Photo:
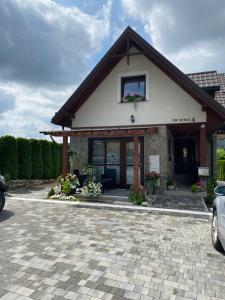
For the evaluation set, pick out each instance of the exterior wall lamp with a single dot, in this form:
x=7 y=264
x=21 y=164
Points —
x=132 y=118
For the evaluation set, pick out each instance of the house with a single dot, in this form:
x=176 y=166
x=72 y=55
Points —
x=136 y=112
x=214 y=84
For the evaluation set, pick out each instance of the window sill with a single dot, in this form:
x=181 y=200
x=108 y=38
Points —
x=133 y=100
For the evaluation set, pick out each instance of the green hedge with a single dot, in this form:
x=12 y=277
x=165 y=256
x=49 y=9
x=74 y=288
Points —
x=29 y=158
x=36 y=157
x=24 y=158
x=221 y=169
x=9 y=157
x=56 y=160
x=46 y=159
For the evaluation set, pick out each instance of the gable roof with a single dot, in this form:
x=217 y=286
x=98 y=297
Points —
x=128 y=39
x=211 y=80
x=220 y=95
x=207 y=79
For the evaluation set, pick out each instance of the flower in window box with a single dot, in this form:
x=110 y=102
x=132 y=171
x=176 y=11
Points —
x=134 y=98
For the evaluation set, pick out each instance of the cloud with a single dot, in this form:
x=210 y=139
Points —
x=32 y=109
x=44 y=43
x=7 y=102
x=190 y=33
x=45 y=51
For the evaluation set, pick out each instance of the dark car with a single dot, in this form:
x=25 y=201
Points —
x=3 y=189
x=218 y=222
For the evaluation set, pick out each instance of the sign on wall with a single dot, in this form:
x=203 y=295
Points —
x=184 y=120
x=154 y=163
x=203 y=171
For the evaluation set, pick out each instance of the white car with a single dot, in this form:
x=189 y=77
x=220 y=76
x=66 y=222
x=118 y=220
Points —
x=218 y=221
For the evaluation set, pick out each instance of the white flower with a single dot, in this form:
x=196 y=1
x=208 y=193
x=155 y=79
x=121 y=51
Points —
x=91 y=189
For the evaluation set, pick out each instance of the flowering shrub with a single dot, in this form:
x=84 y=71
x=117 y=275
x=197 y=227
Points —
x=199 y=184
x=91 y=189
x=69 y=184
x=62 y=197
x=197 y=187
x=138 y=197
x=88 y=170
x=66 y=186
x=153 y=176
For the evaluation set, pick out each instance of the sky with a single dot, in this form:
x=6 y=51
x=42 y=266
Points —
x=48 y=47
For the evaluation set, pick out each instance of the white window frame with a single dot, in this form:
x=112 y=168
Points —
x=130 y=74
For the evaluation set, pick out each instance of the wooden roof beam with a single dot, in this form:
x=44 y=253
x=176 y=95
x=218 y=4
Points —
x=102 y=133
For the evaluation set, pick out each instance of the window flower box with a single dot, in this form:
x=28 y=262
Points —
x=133 y=98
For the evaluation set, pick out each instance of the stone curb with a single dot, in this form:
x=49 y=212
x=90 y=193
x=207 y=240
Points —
x=203 y=202
x=141 y=209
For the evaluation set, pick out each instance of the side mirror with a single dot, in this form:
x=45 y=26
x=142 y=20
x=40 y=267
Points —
x=220 y=190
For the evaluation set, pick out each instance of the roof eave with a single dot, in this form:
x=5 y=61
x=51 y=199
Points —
x=158 y=59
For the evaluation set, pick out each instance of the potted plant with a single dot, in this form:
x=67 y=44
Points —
x=152 y=181
x=170 y=184
x=197 y=187
x=89 y=171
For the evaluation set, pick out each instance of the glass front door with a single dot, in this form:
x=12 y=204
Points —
x=117 y=154
x=113 y=157
x=129 y=162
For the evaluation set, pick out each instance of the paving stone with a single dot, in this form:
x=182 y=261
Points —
x=10 y=296
x=51 y=251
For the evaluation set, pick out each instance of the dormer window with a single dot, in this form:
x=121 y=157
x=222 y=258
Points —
x=133 y=87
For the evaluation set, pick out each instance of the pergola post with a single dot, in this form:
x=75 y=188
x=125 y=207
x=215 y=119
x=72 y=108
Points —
x=65 y=156
x=202 y=146
x=136 y=164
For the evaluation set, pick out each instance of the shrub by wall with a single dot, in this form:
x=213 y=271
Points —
x=24 y=158
x=220 y=154
x=46 y=159
x=56 y=160
x=221 y=169
x=36 y=158
x=8 y=157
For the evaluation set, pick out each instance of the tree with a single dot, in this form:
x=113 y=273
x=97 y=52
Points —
x=8 y=157
x=24 y=158
x=36 y=158
x=56 y=160
x=46 y=159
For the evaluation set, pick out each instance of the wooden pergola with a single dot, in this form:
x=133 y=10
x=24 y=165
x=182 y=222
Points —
x=99 y=133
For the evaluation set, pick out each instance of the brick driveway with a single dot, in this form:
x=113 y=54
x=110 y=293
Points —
x=57 y=251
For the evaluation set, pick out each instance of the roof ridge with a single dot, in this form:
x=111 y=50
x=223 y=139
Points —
x=203 y=72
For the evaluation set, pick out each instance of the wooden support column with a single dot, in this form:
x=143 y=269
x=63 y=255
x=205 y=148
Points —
x=65 y=156
x=136 y=164
x=202 y=146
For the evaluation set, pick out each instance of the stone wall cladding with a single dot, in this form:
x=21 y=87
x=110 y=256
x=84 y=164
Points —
x=80 y=147
x=156 y=144
x=26 y=183
x=211 y=154
x=170 y=163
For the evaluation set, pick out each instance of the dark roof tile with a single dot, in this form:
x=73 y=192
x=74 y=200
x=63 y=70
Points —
x=205 y=79
x=220 y=95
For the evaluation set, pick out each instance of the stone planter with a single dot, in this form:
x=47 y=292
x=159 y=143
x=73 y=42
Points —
x=171 y=187
x=149 y=187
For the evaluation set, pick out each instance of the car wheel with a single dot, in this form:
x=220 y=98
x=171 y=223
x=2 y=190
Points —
x=2 y=200
x=215 y=238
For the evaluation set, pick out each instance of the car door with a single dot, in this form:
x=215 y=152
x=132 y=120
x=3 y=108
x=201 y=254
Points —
x=221 y=218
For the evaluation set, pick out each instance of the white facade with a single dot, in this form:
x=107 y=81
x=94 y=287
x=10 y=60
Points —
x=166 y=102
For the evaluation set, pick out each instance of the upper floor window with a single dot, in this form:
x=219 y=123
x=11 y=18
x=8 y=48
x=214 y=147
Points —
x=133 y=87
